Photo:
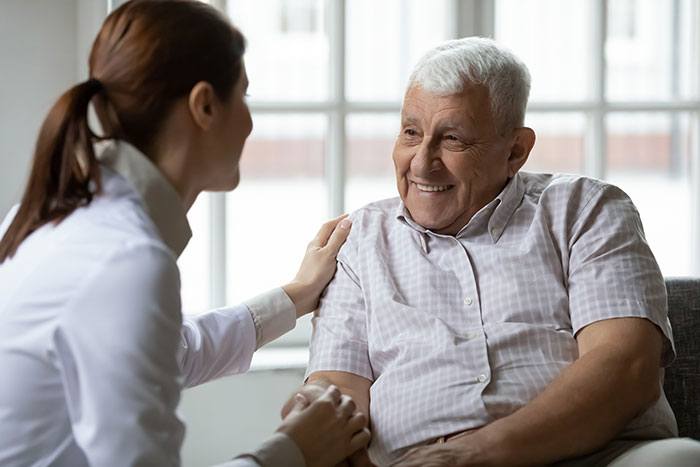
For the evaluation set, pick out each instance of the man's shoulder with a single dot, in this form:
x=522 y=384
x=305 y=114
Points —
x=572 y=188
x=370 y=224
x=538 y=183
x=377 y=215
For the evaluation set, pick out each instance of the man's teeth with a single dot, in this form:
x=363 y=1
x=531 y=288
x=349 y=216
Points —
x=433 y=187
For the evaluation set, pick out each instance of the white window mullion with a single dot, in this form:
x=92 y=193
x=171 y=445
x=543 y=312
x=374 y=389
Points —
x=474 y=18
x=217 y=250
x=336 y=147
x=596 y=137
x=695 y=154
x=695 y=196
x=217 y=229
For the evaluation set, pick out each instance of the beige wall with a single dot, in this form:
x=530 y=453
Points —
x=234 y=414
x=43 y=51
x=37 y=61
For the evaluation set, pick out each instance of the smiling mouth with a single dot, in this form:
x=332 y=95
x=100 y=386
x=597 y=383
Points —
x=432 y=188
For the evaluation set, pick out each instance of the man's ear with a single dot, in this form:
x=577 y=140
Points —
x=523 y=141
x=202 y=105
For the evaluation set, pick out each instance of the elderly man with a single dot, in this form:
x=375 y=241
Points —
x=492 y=317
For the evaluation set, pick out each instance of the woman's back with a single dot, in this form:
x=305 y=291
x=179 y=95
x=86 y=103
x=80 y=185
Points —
x=63 y=316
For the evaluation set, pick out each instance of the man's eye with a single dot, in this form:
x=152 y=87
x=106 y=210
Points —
x=410 y=132
x=451 y=138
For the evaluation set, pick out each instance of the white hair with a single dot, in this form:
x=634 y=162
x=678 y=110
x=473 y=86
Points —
x=447 y=68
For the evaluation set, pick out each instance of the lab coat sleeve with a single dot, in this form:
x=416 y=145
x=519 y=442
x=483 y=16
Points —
x=115 y=348
x=221 y=342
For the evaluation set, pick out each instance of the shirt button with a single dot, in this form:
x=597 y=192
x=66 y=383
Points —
x=468 y=301
x=481 y=378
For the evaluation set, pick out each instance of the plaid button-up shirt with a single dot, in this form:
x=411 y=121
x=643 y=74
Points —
x=458 y=331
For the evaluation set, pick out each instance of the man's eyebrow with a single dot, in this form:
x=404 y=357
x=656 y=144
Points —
x=448 y=125
x=408 y=120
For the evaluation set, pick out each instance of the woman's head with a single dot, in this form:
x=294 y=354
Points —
x=150 y=53
x=149 y=57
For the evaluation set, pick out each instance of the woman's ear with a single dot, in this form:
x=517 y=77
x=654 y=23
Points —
x=202 y=105
x=523 y=141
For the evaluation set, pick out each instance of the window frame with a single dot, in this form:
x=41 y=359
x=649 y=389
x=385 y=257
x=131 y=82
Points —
x=471 y=17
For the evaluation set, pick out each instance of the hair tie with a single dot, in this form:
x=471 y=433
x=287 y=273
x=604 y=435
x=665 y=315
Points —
x=94 y=84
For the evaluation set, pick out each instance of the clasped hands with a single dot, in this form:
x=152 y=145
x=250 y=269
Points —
x=327 y=427
x=330 y=431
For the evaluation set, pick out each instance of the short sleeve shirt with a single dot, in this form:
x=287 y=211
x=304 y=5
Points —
x=457 y=331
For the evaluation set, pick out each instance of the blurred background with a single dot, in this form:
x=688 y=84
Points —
x=615 y=95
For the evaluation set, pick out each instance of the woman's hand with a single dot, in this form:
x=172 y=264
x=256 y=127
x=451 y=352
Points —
x=327 y=430
x=318 y=266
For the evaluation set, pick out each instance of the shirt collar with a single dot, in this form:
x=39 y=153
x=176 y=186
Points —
x=510 y=198
x=162 y=203
x=500 y=209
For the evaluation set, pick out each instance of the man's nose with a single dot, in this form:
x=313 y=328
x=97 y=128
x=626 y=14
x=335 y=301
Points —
x=426 y=160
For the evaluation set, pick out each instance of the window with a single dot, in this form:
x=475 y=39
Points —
x=327 y=76
x=619 y=104
x=325 y=96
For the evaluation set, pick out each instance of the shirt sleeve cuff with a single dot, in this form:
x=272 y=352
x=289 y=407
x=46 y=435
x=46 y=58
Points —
x=278 y=450
x=273 y=314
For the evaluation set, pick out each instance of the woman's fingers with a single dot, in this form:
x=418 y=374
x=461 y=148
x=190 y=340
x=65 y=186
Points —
x=347 y=407
x=332 y=394
x=339 y=235
x=357 y=422
x=325 y=231
x=328 y=429
x=299 y=404
x=360 y=440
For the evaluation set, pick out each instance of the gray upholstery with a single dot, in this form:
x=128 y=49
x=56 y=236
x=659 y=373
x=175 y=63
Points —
x=682 y=385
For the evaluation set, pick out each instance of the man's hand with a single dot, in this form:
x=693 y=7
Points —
x=615 y=378
x=463 y=451
x=360 y=459
x=436 y=455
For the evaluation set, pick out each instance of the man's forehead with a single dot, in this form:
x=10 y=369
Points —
x=417 y=107
x=419 y=103
x=469 y=91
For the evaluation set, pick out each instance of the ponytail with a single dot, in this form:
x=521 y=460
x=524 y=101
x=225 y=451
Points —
x=65 y=174
x=147 y=55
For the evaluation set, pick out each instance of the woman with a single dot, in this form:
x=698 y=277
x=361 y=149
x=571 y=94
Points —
x=92 y=345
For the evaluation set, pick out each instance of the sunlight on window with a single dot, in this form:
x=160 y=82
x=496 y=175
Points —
x=558 y=50
x=560 y=143
x=385 y=39
x=288 y=53
x=278 y=208
x=649 y=158
x=652 y=59
x=194 y=261
x=370 y=169
x=652 y=55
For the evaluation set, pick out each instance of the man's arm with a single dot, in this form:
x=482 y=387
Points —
x=354 y=386
x=615 y=378
x=349 y=384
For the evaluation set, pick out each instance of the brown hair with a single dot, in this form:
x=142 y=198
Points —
x=147 y=54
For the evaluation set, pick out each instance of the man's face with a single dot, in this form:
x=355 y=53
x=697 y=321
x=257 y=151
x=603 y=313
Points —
x=450 y=160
